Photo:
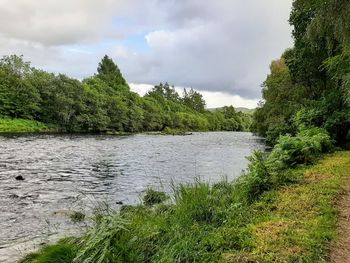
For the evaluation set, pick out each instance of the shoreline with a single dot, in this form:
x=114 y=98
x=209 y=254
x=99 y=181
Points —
x=17 y=127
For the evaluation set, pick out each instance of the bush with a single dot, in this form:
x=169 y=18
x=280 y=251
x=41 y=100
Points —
x=267 y=173
x=257 y=180
x=301 y=149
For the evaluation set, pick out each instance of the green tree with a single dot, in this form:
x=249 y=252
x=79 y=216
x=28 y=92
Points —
x=313 y=90
x=153 y=115
x=164 y=92
x=194 y=100
x=19 y=98
x=109 y=72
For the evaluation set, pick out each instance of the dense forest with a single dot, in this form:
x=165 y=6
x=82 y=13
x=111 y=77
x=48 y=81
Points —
x=104 y=102
x=309 y=86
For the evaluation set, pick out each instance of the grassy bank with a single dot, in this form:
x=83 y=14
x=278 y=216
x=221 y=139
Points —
x=292 y=222
x=23 y=126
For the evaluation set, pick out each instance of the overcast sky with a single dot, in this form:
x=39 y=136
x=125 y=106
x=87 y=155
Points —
x=222 y=48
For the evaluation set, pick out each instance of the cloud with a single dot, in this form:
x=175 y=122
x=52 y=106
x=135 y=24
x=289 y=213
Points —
x=218 y=46
x=224 y=46
x=52 y=22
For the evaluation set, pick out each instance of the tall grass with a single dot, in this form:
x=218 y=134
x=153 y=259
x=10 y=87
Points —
x=101 y=243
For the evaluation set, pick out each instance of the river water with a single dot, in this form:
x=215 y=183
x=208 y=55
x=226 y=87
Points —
x=74 y=173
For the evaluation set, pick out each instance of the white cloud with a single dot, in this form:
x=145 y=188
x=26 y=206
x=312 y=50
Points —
x=220 y=99
x=139 y=88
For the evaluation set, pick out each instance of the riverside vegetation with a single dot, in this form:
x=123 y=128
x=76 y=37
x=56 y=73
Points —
x=33 y=100
x=282 y=209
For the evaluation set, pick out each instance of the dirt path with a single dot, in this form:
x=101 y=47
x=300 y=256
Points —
x=340 y=250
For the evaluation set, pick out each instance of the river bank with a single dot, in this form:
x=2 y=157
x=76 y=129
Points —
x=8 y=125
x=23 y=126
x=291 y=223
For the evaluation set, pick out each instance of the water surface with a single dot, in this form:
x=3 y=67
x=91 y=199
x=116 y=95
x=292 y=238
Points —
x=64 y=173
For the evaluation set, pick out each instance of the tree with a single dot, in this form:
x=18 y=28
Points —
x=194 y=100
x=109 y=72
x=19 y=98
x=310 y=86
x=163 y=92
x=153 y=119
x=102 y=102
x=63 y=103
x=282 y=99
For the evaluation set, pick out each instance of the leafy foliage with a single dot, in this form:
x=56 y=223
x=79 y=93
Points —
x=310 y=84
x=304 y=148
x=104 y=102
x=268 y=172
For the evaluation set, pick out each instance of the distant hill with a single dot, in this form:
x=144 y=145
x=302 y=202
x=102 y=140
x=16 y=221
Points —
x=245 y=110
x=238 y=109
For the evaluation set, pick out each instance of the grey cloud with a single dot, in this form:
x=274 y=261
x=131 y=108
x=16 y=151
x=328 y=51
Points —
x=220 y=46
x=224 y=45
x=51 y=22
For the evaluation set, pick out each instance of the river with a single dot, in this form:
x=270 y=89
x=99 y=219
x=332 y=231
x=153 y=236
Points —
x=65 y=173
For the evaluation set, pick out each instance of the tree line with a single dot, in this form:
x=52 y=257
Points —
x=309 y=86
x=104 y=102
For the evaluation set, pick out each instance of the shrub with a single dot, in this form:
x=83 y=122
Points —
x=301 y=149
x=257 y=180
x=267 y=173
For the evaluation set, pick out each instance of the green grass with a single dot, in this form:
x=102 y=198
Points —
x=292 y=222
x=23 y=126
x=62 y=252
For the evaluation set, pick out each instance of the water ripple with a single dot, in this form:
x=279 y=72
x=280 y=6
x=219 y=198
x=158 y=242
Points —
x=76 y=172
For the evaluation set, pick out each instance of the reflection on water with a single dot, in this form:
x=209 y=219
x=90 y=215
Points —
x=65 y=173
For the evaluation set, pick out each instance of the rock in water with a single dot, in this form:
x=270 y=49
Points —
x=19 y=178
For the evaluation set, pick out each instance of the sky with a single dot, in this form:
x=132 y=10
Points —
x=222 y=48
